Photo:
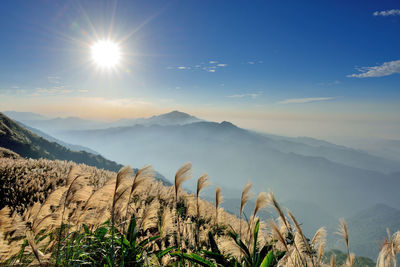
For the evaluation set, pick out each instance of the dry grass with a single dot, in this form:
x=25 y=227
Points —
x=44 y=194
x=26 y=181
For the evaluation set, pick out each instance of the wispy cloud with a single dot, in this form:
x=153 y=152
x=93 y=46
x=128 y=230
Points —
x=304 y=100
x=385 y=13
x=386 y=69
x=210 y=66
x=252 y=95
x=253 y=62
x=54 y=79
x=56 y=90
x=329 y=83
x=115 y=102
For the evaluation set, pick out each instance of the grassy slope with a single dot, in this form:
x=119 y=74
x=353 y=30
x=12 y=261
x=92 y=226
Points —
x=29 y=145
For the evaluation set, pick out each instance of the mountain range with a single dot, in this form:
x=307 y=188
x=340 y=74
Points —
x=232 y=156
x=57 y=125
x=318 y=180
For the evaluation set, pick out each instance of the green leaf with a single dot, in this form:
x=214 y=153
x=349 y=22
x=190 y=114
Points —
x=219 y=258
x=162 y=253
x=268 y=260
x=86 y=228
x=255 y=234
x=193 y=258
x=131 y=235
x=125 y=242
x=214 y=247
x=101 y=232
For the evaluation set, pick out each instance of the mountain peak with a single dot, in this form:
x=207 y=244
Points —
x=176 y=114
x=173 y=118
x=228 y=124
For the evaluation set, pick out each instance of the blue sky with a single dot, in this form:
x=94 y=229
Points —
x=315 y=68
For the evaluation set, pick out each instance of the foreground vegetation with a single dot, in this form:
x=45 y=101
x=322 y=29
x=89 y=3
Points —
x=83 y=216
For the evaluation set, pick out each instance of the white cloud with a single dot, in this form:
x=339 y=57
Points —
x=213 y=62
x=385 y=13
x=182 y=68
x=211 y=70
x=250 y=62
x=387 y=68
x=252 y=95
x=83 y=91
x=222 y=65
x=304 y=100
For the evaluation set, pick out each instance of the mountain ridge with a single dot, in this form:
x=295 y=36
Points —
x=28 y=144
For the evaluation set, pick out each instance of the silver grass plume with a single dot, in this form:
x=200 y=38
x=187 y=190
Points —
x=246 y=195
x=202 y=183
x=390 y=248
x=344 y=233
x=183 y=174
x=275 y=204
x=303 y=239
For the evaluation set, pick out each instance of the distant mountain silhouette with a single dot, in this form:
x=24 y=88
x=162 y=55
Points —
x=232 y=156
x=23 y=116
x=56 y=125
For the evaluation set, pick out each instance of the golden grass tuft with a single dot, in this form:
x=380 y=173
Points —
x=344 y=233
x=246 y=195
x=183 y=174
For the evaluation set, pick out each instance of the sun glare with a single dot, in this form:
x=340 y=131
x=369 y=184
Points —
x=106 y=54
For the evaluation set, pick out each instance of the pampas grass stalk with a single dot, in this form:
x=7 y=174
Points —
x=35 y=250
x=261 y=202
x=344 y=233
x=72 y=177
x=246 y=195
x=277 y=232
x=277 y=207
x=138 y=179
x=202 y=183
x=333 y=260
x=123 y=173
x=303 y=239
x=389 y=249
x=218 y=201
x=183 y=174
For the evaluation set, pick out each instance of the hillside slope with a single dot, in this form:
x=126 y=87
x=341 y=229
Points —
x=30 y=145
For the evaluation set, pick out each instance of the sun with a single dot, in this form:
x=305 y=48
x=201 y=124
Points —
x=106 y=54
